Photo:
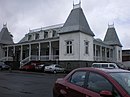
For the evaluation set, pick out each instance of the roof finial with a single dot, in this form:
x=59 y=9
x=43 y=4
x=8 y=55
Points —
x=77 y=5
x=29 y=30
x=73 y=3
x=111 y=25
x=80 y=2
x=5 y=25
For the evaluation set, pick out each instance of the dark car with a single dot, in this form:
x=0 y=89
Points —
x=40 y=67
x=3 y=66
x=94 y=82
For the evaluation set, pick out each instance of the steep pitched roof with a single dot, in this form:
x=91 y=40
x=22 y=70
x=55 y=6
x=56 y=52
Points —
x=5 y=36
x=76 y=21
x=111 y=37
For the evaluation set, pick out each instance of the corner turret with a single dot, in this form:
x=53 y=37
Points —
x=5 y=36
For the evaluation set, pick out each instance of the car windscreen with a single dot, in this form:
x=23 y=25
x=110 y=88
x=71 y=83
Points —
x=123 y=78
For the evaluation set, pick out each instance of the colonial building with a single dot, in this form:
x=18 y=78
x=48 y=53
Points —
x=71 y=44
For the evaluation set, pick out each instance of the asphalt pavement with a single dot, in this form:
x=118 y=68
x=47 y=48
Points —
x=27 y=84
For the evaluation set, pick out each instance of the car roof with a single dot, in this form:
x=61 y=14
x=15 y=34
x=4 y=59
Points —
x=103 y=63
x=98 y=70
x=107 y=70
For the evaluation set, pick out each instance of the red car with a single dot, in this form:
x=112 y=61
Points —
x=28 y=67
x=94 y=82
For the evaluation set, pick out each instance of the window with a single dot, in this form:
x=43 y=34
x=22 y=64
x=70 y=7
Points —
x=111 y=53
x=98 y=83
x=123 y=78
x=5 y=52
x=69 y=47
x=78 y=78
x=108 y=53
x=97 y=50
x=104 y=65
x=45 y=34
x=29 y=37
x=103 y=51
x=86 y=44
x=96 y=65
x=94 y=49
x=58 y=66
x=37 y=36
x=119 y=53
x=112 y=66
x=54 y=34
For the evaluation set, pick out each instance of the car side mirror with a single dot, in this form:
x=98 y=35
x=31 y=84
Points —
x=106 y=93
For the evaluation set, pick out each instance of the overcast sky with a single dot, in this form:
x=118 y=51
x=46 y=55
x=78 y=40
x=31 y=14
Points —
x=22 y=15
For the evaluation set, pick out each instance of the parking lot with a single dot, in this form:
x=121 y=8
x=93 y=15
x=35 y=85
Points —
x=27 y=84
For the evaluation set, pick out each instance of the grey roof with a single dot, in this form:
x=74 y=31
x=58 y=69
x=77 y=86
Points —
x=22 y=40
x=111 y=37
x=5 y=36
x=101 y=43
x=76 y=21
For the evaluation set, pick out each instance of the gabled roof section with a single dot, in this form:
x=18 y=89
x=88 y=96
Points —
x=111 y=37
x=76 y=21
x=5 y=36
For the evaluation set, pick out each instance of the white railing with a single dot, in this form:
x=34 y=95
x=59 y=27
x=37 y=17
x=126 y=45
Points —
x=36 y=58
x=6 y=59
x=55 y=57
x=44 y=58
x=98 y=58
x=25 y=61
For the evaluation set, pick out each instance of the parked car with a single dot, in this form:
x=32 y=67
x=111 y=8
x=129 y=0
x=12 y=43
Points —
x=29 y=67
x=40 y=67
x=105 y=65
x=54 y=68
x=3 y=66
x=93 y=82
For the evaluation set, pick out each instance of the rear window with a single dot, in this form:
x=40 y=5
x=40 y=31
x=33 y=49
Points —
x=58 y=66
x=104 y=65
x=96 y=65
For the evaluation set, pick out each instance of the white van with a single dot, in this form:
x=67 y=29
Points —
x=105 y=65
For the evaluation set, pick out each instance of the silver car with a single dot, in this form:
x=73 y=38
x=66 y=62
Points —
x=54 y=68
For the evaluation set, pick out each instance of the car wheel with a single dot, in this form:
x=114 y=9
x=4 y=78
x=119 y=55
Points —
x=54 y=71
x=64 y=71
x=61 y=96
x=0 y=67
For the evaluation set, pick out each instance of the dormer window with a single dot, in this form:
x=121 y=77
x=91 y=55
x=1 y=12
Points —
x=29 y=37
x=54 y=34
x=45 y=34
x=37 y=36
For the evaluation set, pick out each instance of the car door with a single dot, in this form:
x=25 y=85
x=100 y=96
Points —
x=97 y=83
x=58 y=68
x=75 y=84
